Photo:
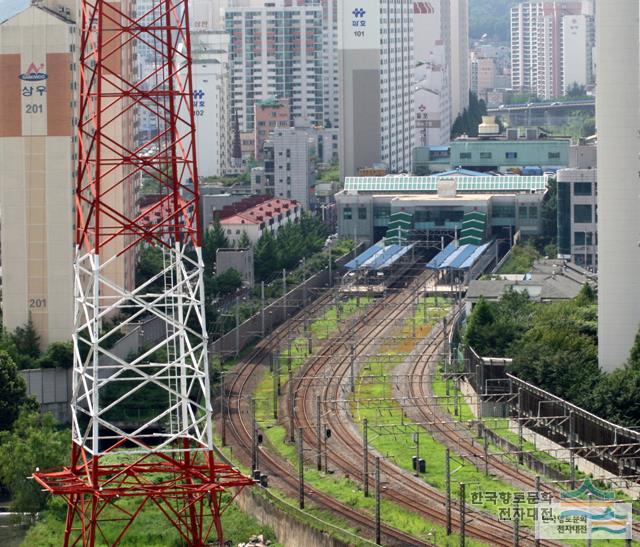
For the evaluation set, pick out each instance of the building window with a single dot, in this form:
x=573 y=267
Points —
x=362 y=213
x=582 y=189
x=582 y=213
x=554 y=155
x=522 y=211
x=579 y=238
x=503 y=211
x=511 y=155
x=465 y=155
x=533 y=211
x=346 y=213
x=485 y=155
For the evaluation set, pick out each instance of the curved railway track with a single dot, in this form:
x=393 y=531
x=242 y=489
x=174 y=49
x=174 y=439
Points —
x=239 y=423
x=419 y=388
x=347 y=444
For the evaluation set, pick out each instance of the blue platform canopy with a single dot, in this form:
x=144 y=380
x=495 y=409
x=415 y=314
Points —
x=378 y=257
x=457 y=257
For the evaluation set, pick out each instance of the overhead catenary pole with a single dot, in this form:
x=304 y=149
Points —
x=378 y=527
x=290 y=405
x=365 y=457
x=538 y=492
x=262 y=327
x=462 y=515
x=237 y=330
x=447 y=478
x=318 y=433
x=300 y=469
x=254 y=437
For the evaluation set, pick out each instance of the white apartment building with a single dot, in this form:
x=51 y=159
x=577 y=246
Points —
x=276 y=51
x=268 y=216
x=376 y=60
x=457 y=42
x=551 y=45
x=293 y=168
x=210 y=73
x=618 y=121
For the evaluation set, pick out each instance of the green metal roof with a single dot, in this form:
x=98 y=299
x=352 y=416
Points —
x=485 y=184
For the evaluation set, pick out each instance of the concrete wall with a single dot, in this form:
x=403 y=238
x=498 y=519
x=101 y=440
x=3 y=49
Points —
x=52 y=389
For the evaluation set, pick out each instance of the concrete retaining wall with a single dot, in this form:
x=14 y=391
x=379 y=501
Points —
x=52 y=389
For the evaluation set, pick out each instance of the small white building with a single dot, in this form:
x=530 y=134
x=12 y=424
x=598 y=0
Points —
x=268 y=216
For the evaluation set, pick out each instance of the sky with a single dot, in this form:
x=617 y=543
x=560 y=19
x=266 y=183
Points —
x=11 y=7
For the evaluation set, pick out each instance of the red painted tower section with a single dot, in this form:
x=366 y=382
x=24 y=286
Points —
x=142 y=424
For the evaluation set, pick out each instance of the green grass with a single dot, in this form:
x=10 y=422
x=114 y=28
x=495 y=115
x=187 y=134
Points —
x=521 y=260
x=150 y=529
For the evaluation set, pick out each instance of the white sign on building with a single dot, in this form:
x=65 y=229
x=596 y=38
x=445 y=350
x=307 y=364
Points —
x=359 y=24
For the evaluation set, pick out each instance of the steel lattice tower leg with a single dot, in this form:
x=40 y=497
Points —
x=142 y=428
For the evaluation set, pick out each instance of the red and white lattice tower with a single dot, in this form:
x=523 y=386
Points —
x=124 y=456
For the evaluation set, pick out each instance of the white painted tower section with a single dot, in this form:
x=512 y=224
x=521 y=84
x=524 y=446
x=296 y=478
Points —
x=618 y=114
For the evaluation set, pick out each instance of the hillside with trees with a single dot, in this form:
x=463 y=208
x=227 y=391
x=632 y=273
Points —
x=490 y=17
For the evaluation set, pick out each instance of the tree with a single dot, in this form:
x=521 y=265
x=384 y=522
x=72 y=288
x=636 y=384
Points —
x=13 y=392
x=27 y=340
x=468 y=121
x=150 y=264
x=228 y=282
x=57 y=355
x=576 y=91
x=266 y=260
x=244 y=242
x=214 y=239
x=40 y=444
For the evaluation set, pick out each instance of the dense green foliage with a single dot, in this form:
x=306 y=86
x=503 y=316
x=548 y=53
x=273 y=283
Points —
x=555 y=346
x=490 y=17
x=22 y=345
x=468 y=121
x=285 y=249
x=38 y=442
x=13 y=392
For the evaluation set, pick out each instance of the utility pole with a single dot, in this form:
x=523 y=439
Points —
x=318 y=433
x=223 y=407
x=572 y=456
x=485 y=443
x=291 y=403
x=538 y=490
x=300 y=469
x=304 y=281
x=447 y=478
x=284 y=293
x=254 y=437
x=237 y=326
x=365 y=471
x=462 y=515
x=352 y=357
x=262 y=330
x=378 y=534
x=417 y=439
x=520 y=433
x=330 y=267
x=276 y=384
x=516 y=529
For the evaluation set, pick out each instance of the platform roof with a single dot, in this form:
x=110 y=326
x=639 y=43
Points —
x=486 y=184
x=378 y=257
x=457 y=257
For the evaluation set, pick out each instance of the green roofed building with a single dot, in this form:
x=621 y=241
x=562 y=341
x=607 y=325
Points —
x=474 y=207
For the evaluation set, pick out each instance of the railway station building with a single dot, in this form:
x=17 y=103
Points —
x=439 y=205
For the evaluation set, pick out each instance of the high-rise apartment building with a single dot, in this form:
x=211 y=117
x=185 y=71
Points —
x=37 y=79
x=441 y=49
x=376 y=60
x=457 y=43
x=211 y=100
x=618 y=121
x=551 y=46
x=276 y=51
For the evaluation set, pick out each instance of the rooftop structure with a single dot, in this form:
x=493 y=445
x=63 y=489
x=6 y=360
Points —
x=267 y=215
x=475 y=184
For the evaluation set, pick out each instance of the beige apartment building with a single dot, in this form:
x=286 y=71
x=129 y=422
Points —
x=38 y=96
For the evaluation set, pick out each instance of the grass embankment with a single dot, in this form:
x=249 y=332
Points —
x=521 y=260
x=150 y=529
x=342 y=489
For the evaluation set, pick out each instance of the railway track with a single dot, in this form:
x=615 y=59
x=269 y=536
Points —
x=453 y=434
x=240 y=429
x=347 y=445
